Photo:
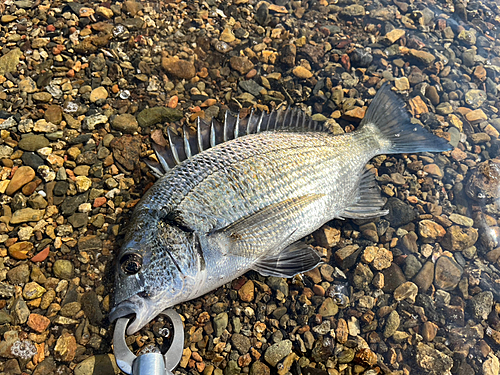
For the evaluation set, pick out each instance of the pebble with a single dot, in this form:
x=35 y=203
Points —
x=302 y=72
x=178 y=68
x=38 y=323
x=241 y=343
x=432 y=360
x=33 y=290
x=429 y=331
x=65 y=349
x=447 y=273
x=277 y=352
x=407 y=290
x=392 y=324
x=33 y=142
x=380 y=258
x=247 y=291
x=241 y=64
x=425 y=276
x=98 y=94
x=430 y=231
x=125 y=123
x=63 y=269
x=458 y=239
x=328 y=308
x=104 y=364
x=482 y=304
x=220 y=323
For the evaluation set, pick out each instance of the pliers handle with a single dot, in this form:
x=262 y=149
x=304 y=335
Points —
x=149 y=363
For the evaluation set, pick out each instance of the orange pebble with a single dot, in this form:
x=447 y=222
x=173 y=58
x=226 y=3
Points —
x=174 y=100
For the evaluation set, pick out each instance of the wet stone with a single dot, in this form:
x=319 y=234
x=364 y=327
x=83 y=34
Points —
x=328 y=308
x=400 y=213
x=241 y=64
x=259 y=368
x=19 y=275
x=125 y=123
x=407 y=290
x=220 y=323
x=425 y=276
x=393 y=277
x=458 y=239
x=26 y=214
x=78 y=220
x=38 y=323
x=433 y=360
x=447 y=273
x=430 y=231
x=411 y=266
x=391 y=324
x=33 y=142
x=92 y=308
x=277 y=352
x=65 y=349
x=63 y=269
x=104 y=364
x=481 y=305
x=241 y=343
x=178 y=68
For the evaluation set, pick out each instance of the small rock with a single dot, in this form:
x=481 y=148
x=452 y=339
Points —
x=430 y=231
x=38 y=323
x=424 y=57
x=104 y=364
x=402 y=84
x=391 y=324
x=407 y=290
x=63 y=269
x=33 y=290
x=476 y=116
x=241 y=64
x=458 y=239
x=425 y=276
x=432 y=360
x=33 y=142
x=20 y=250
x=328 y=308
x=246 y=292
x=178 y=68
x=65 y=349
x=482 y=304
x=429 y=331
x=125 y=123
x=220 y=323
x=277 y=352
x=447 y=273
x=99 y=93
x=241 y=343
x=302 y=72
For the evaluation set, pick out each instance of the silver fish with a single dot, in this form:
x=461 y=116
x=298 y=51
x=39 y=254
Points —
x=240 y=196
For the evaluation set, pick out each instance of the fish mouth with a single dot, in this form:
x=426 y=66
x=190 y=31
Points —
x=136 y=307
x=122 y=310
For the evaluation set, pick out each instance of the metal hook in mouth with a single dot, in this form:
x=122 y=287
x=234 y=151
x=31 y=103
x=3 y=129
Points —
x=150 y=363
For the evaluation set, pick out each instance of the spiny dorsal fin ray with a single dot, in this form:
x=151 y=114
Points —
x=207 y=135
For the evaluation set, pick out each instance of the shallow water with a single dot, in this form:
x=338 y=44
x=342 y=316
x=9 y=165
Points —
x=415 y=292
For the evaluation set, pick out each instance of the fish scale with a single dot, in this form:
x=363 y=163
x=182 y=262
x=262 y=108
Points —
x=221 y=209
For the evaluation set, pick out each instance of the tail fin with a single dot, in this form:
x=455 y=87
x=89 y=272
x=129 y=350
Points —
x=387 y=116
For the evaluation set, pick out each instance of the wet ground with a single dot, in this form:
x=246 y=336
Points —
x=85 y=85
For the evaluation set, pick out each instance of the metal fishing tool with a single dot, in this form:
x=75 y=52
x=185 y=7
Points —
x=149 y=363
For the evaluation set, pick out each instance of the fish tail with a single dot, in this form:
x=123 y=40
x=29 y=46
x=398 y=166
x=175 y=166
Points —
x=387 y=120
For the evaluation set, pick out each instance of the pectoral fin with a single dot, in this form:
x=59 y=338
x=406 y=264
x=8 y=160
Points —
x=265 y=229
x=294 y=259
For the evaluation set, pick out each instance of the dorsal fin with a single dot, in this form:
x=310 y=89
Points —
x=207 y=135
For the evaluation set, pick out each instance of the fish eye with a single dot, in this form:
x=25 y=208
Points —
x=131 y=263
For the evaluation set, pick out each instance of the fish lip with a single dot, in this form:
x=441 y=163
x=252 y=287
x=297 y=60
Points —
x=122 y=310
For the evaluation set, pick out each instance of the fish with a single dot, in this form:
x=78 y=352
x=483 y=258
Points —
x=241 y=195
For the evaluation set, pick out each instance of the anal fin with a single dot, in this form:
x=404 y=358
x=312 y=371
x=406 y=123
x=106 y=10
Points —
x=294 y=259
x=368 y=202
